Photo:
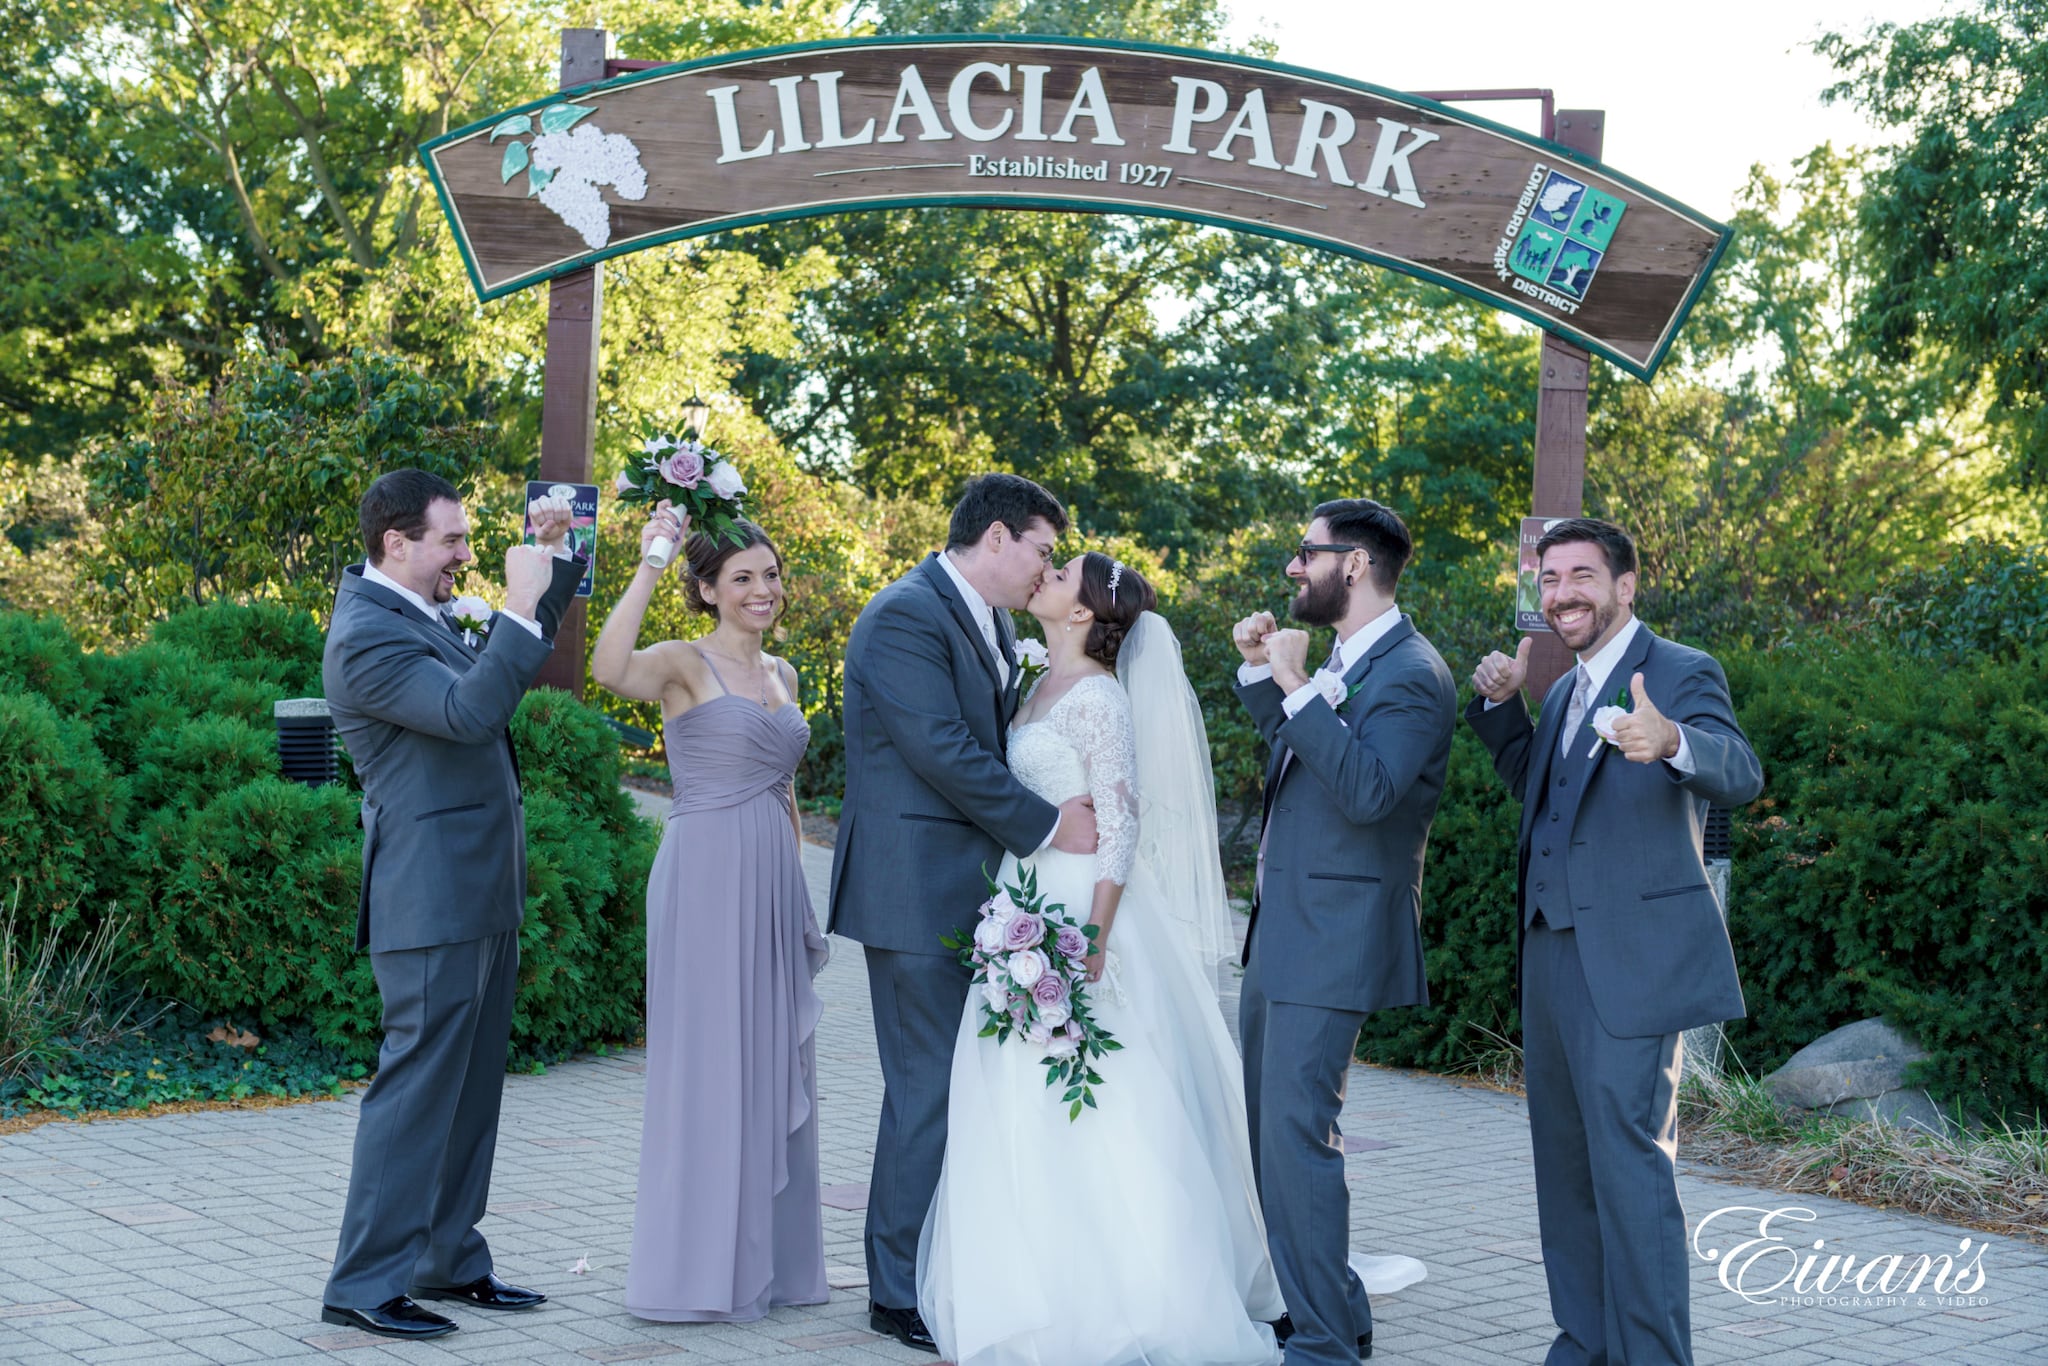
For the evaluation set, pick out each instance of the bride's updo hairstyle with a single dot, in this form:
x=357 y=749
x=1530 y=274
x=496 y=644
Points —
x=1116 y=608
x=704 y=557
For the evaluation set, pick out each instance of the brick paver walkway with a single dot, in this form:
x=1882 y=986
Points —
x=206 y=1238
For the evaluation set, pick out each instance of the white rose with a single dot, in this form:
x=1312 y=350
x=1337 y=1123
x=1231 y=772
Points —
x=1056 y=1015
x=624 y=483
x=1032 y=653
x=1026 y=966
x=1039 y=1034
x=656 y=445
x=1331 y=688
x=1063 y=1046
x=1604 y=719
x=474 y=608
x=988 y=935
x=996 y=995
x=725 y=481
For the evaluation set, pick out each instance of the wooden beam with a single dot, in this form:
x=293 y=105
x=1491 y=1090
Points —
x=1560 y=480
x=568 y=405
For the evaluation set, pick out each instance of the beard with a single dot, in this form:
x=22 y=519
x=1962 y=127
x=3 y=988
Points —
x=1594 y=627
x=1321 y=602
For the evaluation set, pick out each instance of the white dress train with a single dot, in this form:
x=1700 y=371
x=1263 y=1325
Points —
x=1132 y=1234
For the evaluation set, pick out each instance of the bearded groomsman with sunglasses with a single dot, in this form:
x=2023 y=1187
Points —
x=1359 y=751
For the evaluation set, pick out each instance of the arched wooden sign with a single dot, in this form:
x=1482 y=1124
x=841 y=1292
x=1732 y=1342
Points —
x=1078 y=125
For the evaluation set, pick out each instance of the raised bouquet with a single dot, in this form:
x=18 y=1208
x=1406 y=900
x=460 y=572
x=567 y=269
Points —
x=1030 y=964
x=694 y=478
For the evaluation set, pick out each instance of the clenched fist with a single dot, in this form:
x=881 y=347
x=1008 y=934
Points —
x=549 y=518
x=1249 y=636
x=1499 y=677
x=528 y=571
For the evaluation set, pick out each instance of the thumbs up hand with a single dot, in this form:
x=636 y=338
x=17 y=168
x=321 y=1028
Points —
x=1645 y=735
x=1498 y=677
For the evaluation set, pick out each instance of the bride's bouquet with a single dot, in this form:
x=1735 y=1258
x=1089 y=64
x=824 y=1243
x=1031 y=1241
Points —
x=1030 y=964
x=691 y=476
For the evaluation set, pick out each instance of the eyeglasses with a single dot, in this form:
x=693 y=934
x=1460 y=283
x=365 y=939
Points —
x=1306 y=552
x=1044 y=551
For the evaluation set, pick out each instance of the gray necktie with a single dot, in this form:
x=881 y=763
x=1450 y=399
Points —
x=1582 y=692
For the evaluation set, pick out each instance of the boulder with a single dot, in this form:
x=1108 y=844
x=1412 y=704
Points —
x=1858 y=1072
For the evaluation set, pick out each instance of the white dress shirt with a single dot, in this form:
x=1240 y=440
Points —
x=372 y=574
x=1349 y=651
x=977 y=607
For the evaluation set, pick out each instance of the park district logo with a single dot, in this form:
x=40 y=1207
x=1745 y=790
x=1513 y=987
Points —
x=1557 y=238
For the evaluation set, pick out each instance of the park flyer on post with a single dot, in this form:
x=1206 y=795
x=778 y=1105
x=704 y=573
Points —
x=582 y=499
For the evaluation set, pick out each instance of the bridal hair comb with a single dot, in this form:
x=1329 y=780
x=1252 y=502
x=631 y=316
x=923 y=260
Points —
x=1116 y=576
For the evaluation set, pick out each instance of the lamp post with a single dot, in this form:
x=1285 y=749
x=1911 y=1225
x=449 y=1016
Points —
x=696 y=417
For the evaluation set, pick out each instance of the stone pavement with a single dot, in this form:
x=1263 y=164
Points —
x=207 y=1237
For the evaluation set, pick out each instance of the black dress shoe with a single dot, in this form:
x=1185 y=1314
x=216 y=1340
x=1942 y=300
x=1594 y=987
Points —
x=486 y=1292
x=395 y=1318
x=904 y=1325
x=1283 y=1329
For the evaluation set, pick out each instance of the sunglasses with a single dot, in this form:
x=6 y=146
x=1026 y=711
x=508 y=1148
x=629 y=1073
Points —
x=1306 y=552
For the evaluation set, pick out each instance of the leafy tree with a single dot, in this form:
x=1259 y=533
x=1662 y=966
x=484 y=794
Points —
x=1956 y=216
x=248 y=488
x=1780 y=467
x=1147 y=371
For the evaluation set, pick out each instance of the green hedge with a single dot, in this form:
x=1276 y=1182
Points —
x=148 y=779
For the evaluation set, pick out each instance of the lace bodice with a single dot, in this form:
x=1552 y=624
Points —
x=1084 y=744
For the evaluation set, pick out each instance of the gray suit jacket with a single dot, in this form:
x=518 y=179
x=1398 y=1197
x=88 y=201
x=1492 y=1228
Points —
x=929 y=800
x=424 y=718
x=1338 y=922
x=1650 y=934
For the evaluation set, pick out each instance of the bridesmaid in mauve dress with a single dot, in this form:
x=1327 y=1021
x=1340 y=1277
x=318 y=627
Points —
x=727 y=1224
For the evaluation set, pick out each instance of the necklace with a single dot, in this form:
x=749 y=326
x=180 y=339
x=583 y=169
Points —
x=755 y=666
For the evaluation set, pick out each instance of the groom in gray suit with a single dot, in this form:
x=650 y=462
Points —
x=1622 y=941
x=931 y=684
x=1358 y=758
x=424 y=713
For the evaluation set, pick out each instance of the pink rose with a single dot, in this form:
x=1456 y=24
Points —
x=683 y=467
x=1071 y=942
x=1023 y=932
x=1050 y=990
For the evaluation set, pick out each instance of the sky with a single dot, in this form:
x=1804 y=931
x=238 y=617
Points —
x=1694 y=94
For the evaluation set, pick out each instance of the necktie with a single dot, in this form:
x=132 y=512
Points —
x=1575 y=714
x=994 y=632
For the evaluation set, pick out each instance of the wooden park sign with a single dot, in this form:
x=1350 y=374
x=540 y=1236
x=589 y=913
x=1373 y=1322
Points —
x=1525 y=225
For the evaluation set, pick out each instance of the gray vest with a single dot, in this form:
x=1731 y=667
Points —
x=1548 y=888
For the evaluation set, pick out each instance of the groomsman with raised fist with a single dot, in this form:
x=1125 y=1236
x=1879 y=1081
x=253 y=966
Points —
x=1623 y=945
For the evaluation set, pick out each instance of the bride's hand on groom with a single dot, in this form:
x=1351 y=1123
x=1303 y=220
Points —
x=1076 y=831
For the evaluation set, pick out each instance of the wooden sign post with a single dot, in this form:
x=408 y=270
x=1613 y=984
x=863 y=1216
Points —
x=1539 y=228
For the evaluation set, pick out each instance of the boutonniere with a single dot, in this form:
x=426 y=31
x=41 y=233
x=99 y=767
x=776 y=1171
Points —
x=1605 y=717
x=1031 y=659
x=473 y=616
x=1332 y=690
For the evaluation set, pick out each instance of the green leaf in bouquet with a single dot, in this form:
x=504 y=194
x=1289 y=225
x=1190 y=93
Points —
x=1074 y=1112
x=988 y=1030
x=516 y=159
x=1073 y=1093
x=1088 y=1099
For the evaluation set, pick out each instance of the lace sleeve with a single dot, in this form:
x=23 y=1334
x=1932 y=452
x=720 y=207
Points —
x=1097 y=722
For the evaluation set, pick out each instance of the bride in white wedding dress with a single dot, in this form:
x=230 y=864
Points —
x=1131 y=1234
